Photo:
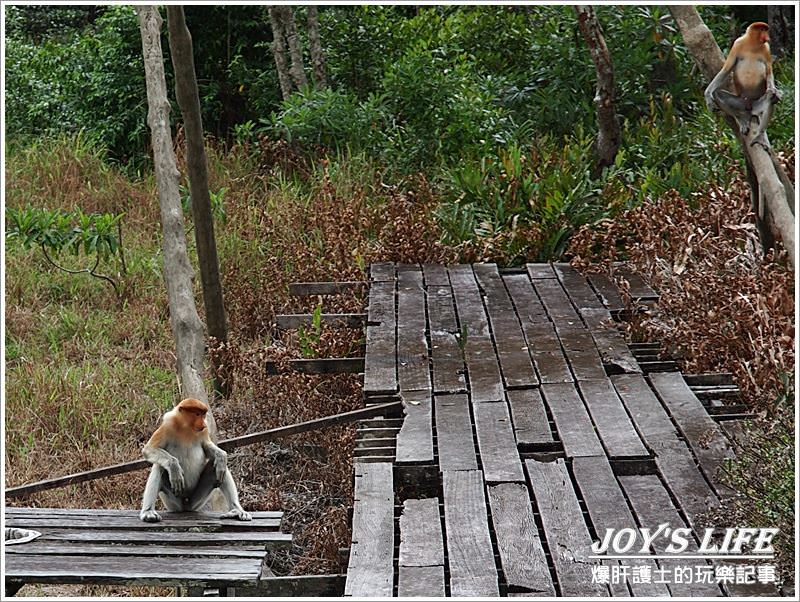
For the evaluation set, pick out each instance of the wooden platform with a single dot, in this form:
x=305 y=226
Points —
x=530 y=429
x=115 y=547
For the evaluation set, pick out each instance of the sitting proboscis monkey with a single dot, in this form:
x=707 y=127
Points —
x=187 y=465
x=753 y=83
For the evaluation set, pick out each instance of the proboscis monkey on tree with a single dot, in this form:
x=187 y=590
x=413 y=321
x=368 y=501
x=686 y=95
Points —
x=753 y=83
x=187 y=466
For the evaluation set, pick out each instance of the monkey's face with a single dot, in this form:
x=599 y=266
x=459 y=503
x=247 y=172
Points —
x=194 y=419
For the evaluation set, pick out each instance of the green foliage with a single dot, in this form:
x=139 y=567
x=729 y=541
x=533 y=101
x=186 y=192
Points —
x=310 y=337
x=54 y=232
x=547 y=186
x=92 y=80
x=74 y=231
x=217 y=202
x=332 y=118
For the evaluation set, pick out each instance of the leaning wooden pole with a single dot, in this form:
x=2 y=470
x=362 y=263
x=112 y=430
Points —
x=186 y=92
x=228 y=444
x=187 y=329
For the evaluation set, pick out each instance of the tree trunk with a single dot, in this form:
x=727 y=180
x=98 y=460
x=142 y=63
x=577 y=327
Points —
x=180 y=44
x=315 y=46
x=771 y=190
x=608 y=136
x=781 y=29
x=187 y=329
x=295 y=49
x=279 y=51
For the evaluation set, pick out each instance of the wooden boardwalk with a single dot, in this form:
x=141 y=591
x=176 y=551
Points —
x=530 y=429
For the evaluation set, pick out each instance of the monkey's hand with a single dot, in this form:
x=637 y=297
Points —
x=710 y=102
x=775 y=95
x=149 y=516
x=220 y=460
x=238 y=514
x=176 y=481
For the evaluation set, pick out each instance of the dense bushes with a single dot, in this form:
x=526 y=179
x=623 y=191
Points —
x=447 y=91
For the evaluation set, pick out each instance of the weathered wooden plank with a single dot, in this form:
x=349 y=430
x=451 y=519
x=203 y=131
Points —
x=447 y=361
x=328 y=586
x=612 y=422
x=469 y=545
x=496 y=443
x=485 y=380
x=132 y=570
x=370 y=571
x=539 y=271
x=608 y=292
x=608 y=510
x=328 y=365
x=380 y=361
x=581 y=352
x=529 y=308
x=454 y=433
x=413 y=365
x=421 y=542
x=566 y=533
x=531 y=427
x=435 y=274
x=101 y=550
x=381 y=304
x=293 y=321
x=469 y=303
x=638 y=289
x=521 y=554
x=272 y=540
x=198 y=523
x=572 y=421
x=548 y=356
x=644 y=408
x=415 y=439
x=166 y=517
x=382 y=272
x=410 y=299
x=310 y=289
x=556 y=302
x=512 y=350
x=653 y=507
x=577 y=287
x=698 y=428
x=441 y=313
x=614 y=351
x=420 y=582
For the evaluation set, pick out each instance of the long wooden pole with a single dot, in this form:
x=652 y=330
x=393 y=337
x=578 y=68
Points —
x=228 y=444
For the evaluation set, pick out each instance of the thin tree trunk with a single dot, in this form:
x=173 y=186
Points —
x=608 y=136
x=315 y=46
x=771 y=190
x=187 y=329
x=781 y=29
x=180 y=44
x=279 y=51
x=295 y=50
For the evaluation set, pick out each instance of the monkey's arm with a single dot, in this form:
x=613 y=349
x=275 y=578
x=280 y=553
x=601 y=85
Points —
x=772 y=90
x=218 y=457
x=719 y=79
x=155 y=454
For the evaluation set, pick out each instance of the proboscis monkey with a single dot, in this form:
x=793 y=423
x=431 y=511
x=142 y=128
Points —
x=753 y=82
x=187 y=466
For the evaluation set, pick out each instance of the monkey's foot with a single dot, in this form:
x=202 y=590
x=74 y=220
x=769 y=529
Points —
x=238 y=514
x=150 y=516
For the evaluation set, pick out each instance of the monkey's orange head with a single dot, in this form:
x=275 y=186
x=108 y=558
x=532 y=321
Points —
x=760 y=31
x=193 y=414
